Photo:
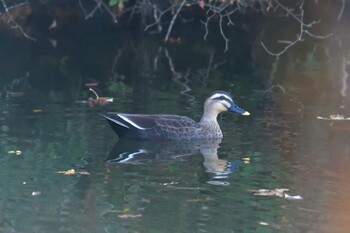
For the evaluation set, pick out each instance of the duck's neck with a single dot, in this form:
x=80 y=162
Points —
x=210 y=125
x=209 y=117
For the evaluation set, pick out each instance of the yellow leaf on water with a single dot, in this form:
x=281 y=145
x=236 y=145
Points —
x=120 y=211
x=73 y=172
x=37 y=110
x=246 y=160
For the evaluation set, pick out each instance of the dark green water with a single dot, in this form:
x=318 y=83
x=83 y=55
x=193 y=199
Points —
x=171 y=187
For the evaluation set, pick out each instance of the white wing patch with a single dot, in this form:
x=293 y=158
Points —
x=131 y=122
x=117 y=122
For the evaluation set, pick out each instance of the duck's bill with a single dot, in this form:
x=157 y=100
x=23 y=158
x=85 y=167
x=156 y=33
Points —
x=236 y=109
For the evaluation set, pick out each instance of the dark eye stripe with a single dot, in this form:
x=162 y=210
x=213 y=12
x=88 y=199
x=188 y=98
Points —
x=222 y=98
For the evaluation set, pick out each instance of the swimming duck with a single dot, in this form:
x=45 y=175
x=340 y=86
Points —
x=175 y=127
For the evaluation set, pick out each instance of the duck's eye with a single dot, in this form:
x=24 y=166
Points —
x=222 y=98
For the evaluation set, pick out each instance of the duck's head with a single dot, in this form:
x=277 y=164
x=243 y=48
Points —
x=221 y=101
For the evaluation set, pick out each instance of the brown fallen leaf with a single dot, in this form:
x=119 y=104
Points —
x=99 y=100
x=268 y=192
x=37 y=110
x=73 y=172
x=275 y=192
x=108 y=99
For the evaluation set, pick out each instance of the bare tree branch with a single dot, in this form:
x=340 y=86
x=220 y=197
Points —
x=173 y=20
x=341 y=10
x=99 y=5
x=303 y=30
x=158 y=18
x=14 y=23
x=223 y=34
x=222 y=13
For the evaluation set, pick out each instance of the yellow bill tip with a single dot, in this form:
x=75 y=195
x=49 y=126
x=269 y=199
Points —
x=246 y=113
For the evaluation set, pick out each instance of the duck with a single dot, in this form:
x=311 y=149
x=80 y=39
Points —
x=175 y=127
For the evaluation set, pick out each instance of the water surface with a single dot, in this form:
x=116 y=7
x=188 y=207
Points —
x=169 y=188
x=129 y=186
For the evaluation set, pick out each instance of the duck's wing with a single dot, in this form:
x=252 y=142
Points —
x=174 y=122
x=138 y=121
x=176 y=127
x=130 y=121
x=150 y=126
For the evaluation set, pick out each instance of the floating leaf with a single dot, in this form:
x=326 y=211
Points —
x=171 y=183
x=335 y=117
x=119 y=211
x=99 y=100
x=291 y=197
x=126 y=216
x=37 y=110
x=263 y=223
x=275 y=192
x=195 y=200
x=246 y=159
x=15 y=152
x=73 y=172
x=218 y=183
x=36 y=193
x=268 y=192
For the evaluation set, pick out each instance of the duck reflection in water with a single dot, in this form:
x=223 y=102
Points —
x=139 y=152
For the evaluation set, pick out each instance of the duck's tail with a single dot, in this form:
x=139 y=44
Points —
x=117 y=123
